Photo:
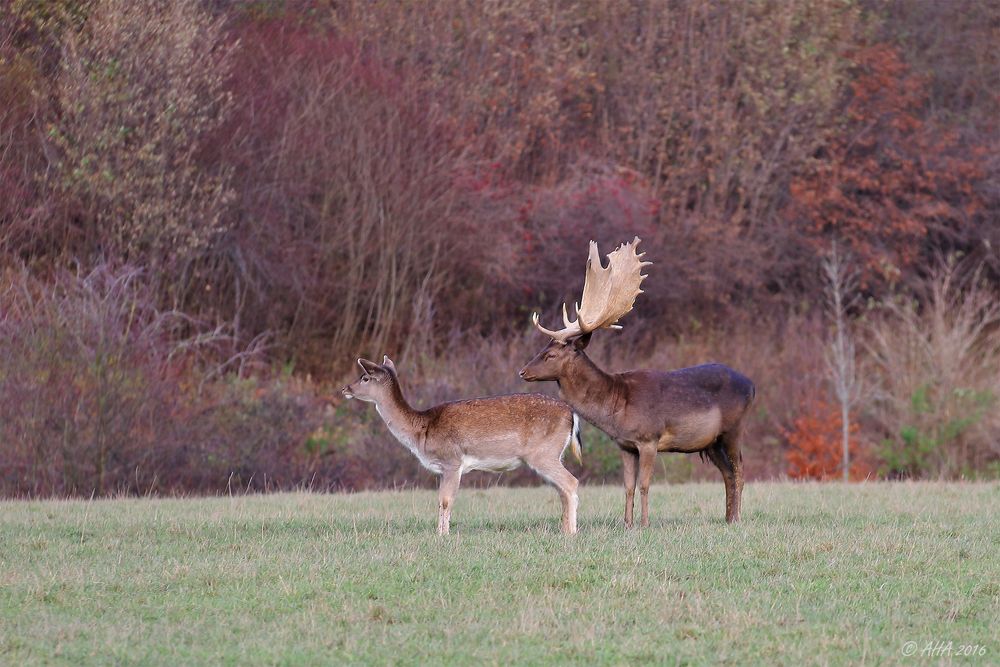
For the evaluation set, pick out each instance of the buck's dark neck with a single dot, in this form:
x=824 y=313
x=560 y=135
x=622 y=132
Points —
x=597 y=396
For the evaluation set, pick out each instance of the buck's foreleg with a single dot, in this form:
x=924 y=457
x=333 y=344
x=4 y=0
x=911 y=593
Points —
x=450 y=479
x=647 y=461
x=630 y=472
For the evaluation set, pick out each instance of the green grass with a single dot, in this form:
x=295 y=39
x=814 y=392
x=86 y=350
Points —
x=815 y=574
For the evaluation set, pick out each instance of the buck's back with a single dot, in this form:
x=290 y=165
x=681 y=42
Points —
x=706 y=398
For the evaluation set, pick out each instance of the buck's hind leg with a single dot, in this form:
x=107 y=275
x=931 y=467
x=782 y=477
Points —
x=720 y=457
x=630 y=474
x=732 y=447
x=554 y=472
x=450 y=479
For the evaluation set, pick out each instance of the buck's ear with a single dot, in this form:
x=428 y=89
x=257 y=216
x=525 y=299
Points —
x=368 y=366
x=581 y=342
x=387 y=363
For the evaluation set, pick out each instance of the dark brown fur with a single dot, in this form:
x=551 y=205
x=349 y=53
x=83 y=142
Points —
x=698 y=409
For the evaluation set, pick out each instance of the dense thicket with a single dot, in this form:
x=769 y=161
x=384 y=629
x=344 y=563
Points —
x=232 y=201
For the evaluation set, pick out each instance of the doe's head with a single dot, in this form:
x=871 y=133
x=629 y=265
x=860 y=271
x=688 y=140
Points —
x=551 y=363
x=376 y=382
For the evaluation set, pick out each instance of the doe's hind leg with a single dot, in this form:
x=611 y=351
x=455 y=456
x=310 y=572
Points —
x=554 y=472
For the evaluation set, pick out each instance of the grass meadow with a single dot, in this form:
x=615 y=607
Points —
x=815 y=574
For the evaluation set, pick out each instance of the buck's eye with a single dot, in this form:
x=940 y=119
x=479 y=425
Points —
x=365 y=379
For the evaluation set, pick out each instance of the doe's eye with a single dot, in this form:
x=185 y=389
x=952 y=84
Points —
x=365 y=379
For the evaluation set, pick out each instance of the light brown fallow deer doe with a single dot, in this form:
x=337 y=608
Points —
x=700 y=409
x=493 y=434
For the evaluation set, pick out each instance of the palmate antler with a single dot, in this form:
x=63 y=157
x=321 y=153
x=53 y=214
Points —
x=608 y=293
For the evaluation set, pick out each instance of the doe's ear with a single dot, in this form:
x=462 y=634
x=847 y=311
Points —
x=368 y=366
x=581 y=342
x=387 y=363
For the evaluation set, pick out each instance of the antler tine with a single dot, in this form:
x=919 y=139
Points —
x=608 y=292
x=635 y=244
x=572 y=330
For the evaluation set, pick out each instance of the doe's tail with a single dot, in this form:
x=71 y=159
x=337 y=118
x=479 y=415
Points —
x=574 y=439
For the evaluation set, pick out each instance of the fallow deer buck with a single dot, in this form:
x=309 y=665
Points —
x=698 y=409
x=493 y=434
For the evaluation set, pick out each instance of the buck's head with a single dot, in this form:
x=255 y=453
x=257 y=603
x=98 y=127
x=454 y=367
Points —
x=376 y=384
x=608 y=293
x=552 y=362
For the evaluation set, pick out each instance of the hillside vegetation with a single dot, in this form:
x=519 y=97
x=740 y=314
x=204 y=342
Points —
x=209 y=209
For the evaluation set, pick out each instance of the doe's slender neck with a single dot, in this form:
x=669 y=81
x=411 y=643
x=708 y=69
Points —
x=395 y=409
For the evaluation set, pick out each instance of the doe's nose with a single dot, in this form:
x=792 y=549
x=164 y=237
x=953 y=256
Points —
x=521 y=374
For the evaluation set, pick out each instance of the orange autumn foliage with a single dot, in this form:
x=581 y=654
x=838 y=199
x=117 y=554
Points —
x=814 y=445
x=887 y=178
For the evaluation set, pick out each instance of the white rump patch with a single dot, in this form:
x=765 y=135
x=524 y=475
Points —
x=574 y=432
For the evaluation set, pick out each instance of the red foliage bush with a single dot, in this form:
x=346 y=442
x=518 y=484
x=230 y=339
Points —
x=815 y=445
x=888 y=178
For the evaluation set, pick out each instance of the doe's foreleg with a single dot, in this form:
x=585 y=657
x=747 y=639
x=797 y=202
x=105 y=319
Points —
x=450 y=480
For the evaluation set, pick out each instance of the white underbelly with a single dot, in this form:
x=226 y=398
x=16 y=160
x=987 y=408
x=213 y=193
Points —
x=430 y=464
x=489 y=464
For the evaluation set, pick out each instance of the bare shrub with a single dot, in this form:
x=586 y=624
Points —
x=936 y=360
x=85 y=395
x=346 y=195
x=245 y=434
x=20 y=149
x=539 y=232
x=841 y=361
x=140 y=89
x=102 y=393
